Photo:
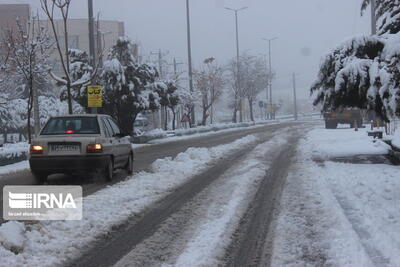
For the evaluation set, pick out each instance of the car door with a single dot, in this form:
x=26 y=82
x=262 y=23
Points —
x=108 y=137
x=121 y=154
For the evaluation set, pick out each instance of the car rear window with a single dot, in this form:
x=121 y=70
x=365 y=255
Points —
x=71 y=125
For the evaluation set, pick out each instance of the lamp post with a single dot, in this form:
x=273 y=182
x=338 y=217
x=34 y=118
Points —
x=270 y=73
x=189 y=47
x=238 y=59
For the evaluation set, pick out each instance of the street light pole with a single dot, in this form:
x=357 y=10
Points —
x=294 y=97
x=270 y=74
x=189 y=45
x=238 y=60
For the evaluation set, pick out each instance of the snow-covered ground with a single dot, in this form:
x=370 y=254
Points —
x=342 y=142
x=396 y=139
x=339 y=214
x=48 y=243
x=14 y=149
x=16 y=167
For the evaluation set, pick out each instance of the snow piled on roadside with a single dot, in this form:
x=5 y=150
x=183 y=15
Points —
x=325 y=143
x=338 y=214
x=49 y=243
x=14 y=149
x=15 y=167
x=396 y=139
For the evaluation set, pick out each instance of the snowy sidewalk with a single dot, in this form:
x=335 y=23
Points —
x=339 y=214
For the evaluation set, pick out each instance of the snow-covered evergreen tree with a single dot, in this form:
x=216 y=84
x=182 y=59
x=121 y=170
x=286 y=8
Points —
x=388 y=15
x=80 y=70
x=364 y=72
x=129 y=88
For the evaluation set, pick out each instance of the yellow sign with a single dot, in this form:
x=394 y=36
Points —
x=95 y=96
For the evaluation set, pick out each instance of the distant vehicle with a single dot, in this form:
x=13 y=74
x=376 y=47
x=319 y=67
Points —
x=348 y=116
x=74 y=144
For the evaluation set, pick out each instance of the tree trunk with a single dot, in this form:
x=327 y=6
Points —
x=173 y=118
x=251 y=109
x=29 y=120
x=205 y=116
x=165 y=118
x=30 y=99
x=69 y=95
x=234 y=117
x=36 y=115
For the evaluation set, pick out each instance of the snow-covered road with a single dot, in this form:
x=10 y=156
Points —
x=292 y=195
x=53 y=243
x=207 y=223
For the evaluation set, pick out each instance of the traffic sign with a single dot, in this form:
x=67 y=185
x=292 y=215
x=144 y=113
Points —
x=95 y=96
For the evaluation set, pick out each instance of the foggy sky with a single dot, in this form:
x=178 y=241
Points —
x=306 y=30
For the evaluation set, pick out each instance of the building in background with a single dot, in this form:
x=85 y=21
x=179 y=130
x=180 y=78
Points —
x=9 y=13
x=106 y=34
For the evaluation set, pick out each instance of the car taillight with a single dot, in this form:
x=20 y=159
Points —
x=36 y=149
x=69 y=131
x=94 y=148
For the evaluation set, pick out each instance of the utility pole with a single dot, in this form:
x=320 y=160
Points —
x=163 y=110
x=159 y=62
x=175 y=65
x=294 y=97
x=92 y=59
x=373 y=17
x=238 y=60
x=160 y=68
x=270 y=76
x=189 y=48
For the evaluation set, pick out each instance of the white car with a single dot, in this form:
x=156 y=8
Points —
x=80 y=143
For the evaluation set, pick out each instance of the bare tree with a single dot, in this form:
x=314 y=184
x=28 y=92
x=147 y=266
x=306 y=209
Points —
x=253 y=79
x=28 y=49
x=49 y=7
x=187 y=100
x=210 y=84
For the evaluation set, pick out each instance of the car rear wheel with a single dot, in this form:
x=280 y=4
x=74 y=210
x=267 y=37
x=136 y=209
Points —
x=40 y=177
x=109 y=170
x=129 y=164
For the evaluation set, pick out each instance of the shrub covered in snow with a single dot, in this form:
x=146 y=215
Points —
x=129 y=88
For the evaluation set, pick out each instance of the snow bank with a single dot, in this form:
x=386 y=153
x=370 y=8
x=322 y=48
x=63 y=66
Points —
x=16 y=167
x=12 y=236
x=396 y=139
x=325 y=143
x=50 y=243
x=14 y=149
